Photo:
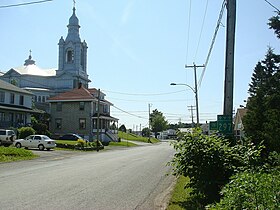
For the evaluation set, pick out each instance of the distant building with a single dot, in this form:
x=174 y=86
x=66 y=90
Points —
x=15 y=106
x=76 y=111
x=238 y=123
x=72 y=68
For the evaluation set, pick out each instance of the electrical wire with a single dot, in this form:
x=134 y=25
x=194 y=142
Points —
x=129 y=113
x=212 y=43
x=143 y=94
x=24 y=4
x=272 y=6
x=202 y=26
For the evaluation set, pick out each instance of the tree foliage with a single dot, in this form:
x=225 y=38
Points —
x=209 y=162
x=251 y=190
x=261 y=121
x=122 y=128
x=158 y=122
x=274 y=23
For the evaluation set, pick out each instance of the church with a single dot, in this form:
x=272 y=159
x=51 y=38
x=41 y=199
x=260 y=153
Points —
x=64 y=92
x=71 y=71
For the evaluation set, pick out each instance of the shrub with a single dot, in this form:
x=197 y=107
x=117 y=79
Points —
x=251 y=190
x=25 y=131
x=209 y=162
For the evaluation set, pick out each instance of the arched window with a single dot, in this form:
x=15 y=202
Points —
x=69 y=56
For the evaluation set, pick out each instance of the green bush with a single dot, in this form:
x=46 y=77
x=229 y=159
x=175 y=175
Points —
x=209 y=162
x=25 y=131
x=251 y=190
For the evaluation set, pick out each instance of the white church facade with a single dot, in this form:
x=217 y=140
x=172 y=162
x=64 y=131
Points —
x=71 y=71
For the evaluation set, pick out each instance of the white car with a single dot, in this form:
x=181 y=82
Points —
x=35 y=141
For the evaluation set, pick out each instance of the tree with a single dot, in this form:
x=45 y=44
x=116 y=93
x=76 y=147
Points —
x=122 y=128
x=158 y=122
x=274 y=23
x=145 y=132
x=261 y=122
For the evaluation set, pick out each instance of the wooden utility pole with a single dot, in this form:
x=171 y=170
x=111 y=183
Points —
x=194 y=66
x=229 y=64
x=191 y=109
x=98 y=123
x=149 y=139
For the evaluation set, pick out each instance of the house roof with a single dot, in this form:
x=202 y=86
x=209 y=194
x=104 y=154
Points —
x=80 y=93
x=10 y=87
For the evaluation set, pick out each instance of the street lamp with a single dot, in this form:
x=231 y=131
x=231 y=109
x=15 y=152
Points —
x=196 y=99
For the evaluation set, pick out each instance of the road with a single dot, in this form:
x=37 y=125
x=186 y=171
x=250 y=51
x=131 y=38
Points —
x=129 y=178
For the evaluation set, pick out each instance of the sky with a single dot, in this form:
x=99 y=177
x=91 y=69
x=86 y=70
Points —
x=136 y=48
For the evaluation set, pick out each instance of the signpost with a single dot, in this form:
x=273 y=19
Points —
x=224 y=123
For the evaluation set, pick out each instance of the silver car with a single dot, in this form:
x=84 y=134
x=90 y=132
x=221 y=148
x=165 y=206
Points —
x=36 y=141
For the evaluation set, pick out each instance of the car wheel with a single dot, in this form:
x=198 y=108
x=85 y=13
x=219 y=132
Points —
x=18 y=145
x=41 y=147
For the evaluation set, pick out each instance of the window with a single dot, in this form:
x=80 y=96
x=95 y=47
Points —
x=82 y=106
x=59 y=107
x=2 y=97
x=82 y=123
x=2 y=116
x=69 y=56
x=44 y=99
x=21 y=100
x=58 y=123
x=12 y=98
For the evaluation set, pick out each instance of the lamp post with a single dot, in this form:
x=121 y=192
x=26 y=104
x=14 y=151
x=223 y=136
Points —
x=196 y=100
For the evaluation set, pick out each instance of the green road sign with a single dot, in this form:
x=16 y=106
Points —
x=225 y=124
x=213 y=126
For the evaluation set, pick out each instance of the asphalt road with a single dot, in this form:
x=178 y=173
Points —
x=129 y=178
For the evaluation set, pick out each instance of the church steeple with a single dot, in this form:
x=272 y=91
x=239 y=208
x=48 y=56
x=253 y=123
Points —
x=73 y=53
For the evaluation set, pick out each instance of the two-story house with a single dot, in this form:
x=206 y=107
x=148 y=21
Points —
x=15 y=106
x=77 y=111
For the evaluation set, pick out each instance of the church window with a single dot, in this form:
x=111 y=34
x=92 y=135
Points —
x=58 y=123
x=39 y=98
x=82 y=59
x=69 y=56
x=2 y=97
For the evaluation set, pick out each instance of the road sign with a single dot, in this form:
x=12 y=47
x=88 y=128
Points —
x=225 y=124
x=213 y=126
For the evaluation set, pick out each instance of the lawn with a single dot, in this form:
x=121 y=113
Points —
x=134 y=137
x=181 y=198
x=8 y=154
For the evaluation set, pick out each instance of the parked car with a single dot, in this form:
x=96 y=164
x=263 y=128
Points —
x=36 y=141
x=71 y=136
x=7 y=137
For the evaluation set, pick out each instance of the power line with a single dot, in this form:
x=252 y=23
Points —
x=130 y=113
x=24 y=4
x=143 y=94
x=202 y=26
x=272 y=5
x=213 y=41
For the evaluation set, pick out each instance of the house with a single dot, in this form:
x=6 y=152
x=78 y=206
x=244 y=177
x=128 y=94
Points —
x=238 y=124
x=77 y=111
x=15 y=106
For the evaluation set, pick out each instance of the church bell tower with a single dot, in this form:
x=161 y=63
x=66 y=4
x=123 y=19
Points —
x=73 y=54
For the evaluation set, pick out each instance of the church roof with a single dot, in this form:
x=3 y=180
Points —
x=7 y=86
x=30 y=68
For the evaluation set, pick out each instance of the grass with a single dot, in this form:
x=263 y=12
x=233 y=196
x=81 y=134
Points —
x=181 y=198
x=8 y=154
x=123 y=144
x=134 y=137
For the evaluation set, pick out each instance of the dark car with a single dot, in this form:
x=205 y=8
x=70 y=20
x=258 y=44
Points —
x=71 y=136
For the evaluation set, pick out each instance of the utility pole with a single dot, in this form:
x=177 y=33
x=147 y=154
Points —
x=229 y=66
x=191 y=109
x=98 y=116
x=194 y=66
x=149 y=139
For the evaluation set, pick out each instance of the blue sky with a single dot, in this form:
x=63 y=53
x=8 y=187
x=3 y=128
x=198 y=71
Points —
x=138 y=47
